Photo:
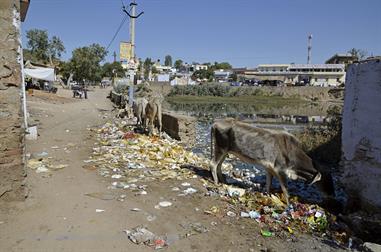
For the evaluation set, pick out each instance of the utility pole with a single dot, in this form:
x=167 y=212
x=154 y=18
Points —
x=132 y=16
x=114 y=54
x=132 y=30
x=309 y=49
x=132 y=25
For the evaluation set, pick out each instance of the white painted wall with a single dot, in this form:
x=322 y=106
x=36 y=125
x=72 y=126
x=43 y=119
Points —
x=361 y=135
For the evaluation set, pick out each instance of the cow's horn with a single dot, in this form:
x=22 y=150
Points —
x=316 y=178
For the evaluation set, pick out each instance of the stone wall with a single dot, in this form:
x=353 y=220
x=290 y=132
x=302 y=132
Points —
x=12 y=169
x=361 y=135
x=180 y=127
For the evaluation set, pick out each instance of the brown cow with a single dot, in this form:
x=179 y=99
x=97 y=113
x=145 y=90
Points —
x=153 y=111
x=277 y=151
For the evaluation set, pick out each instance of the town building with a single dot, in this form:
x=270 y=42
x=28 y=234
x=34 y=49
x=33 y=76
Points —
x=221 y=75
x=197 y=67
x=316 y=74
x=345 y=59
x=302 y=74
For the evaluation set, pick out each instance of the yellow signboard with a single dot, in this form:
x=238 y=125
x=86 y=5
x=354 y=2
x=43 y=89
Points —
x=125 y=51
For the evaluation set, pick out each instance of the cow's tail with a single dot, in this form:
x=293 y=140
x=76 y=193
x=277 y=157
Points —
x=212 y=136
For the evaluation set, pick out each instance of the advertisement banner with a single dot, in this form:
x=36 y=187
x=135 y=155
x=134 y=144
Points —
x=125 y=51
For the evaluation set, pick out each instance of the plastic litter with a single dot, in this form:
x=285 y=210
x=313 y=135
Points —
x=190 y=190
x=213 y=210
x=42 y=169
x=41 y=154
x=245 y=215
x=266 y=233
x=159 y=243
x=99 y=210
x=231 y=214
x=254 y=215
x=235 y=192
x=165 y=203
x=151 y=217
x=140 y=235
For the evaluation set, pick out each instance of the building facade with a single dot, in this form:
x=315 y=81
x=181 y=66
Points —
x=303 y=74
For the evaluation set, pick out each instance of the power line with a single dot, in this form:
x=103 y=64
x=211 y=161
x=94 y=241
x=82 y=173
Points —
x=123 y=4
x=117 y=31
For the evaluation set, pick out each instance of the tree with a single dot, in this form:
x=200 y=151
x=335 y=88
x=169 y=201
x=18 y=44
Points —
x=222 y=65
x=64 y=69
x=154 y=70
x=234 y=77
x=111 y=69
x=38 y=43
x=55 y=49
x=41 y=49
x=85 y=63
x=203 y=74
x=178 y=64
x=168 y=60
x=358 y=53
x=147 y=67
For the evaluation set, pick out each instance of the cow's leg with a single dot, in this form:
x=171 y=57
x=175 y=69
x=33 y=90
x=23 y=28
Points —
x=219 y=171
x=159 y=119
x=215 y=164
x=283 y=184
x=150 y=124
x=269 y=179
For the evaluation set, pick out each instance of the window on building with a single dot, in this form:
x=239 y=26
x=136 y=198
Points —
x=315 y=79
x=338 y=79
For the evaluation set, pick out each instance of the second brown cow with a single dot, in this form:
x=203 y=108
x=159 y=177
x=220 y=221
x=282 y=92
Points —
x=153 y=112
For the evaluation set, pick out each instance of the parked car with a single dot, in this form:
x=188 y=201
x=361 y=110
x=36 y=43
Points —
x=236 y=84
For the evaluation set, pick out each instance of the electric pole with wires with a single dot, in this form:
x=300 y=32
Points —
x=132 y=70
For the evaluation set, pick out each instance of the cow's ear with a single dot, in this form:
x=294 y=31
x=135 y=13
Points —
x=316 y=178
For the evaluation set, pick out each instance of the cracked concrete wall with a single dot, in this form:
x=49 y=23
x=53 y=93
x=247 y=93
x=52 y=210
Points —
x=361 y=135
x=12 y=165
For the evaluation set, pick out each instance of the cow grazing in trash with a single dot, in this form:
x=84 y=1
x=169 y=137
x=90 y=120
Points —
x=139 y=108
x=153 y=112
x=277 y=151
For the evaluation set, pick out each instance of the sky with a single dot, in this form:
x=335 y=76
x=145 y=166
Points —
x=244 y=33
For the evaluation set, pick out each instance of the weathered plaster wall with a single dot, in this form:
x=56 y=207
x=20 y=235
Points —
x=12 y=169
x=362 y=134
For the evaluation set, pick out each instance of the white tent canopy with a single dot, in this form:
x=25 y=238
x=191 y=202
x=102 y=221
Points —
x=40 y=73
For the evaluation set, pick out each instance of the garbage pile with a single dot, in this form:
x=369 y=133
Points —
x=122 y=154
x=129 y=159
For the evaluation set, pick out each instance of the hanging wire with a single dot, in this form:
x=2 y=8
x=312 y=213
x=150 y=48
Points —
x=117 y=31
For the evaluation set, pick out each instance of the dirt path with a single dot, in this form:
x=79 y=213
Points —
x=58 y=216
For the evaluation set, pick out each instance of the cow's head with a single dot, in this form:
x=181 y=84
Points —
x=323 y=180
